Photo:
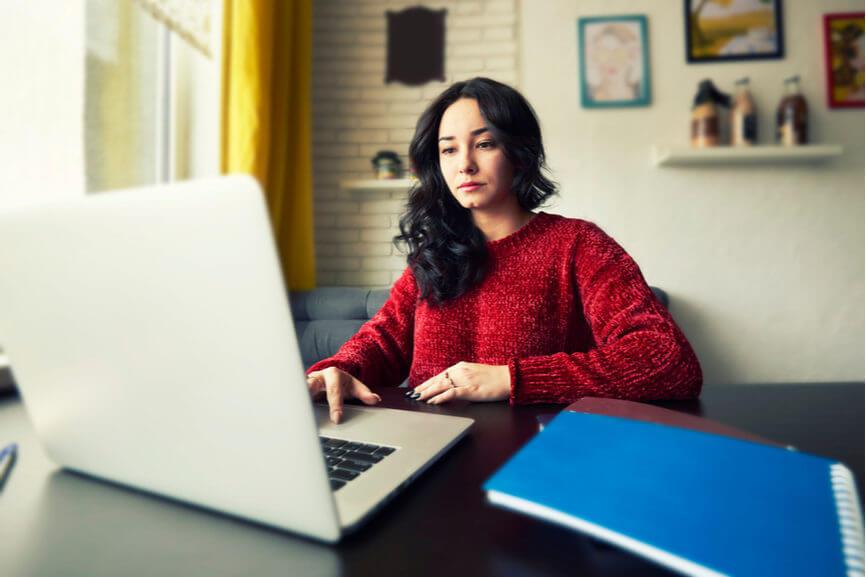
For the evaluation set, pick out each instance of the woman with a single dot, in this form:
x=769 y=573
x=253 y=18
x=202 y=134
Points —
x=499 y=302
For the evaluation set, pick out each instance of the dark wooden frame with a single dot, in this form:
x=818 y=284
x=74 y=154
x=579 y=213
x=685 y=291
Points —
x=777 y=54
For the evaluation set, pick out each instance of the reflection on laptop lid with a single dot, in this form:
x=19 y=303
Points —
x=151 y=339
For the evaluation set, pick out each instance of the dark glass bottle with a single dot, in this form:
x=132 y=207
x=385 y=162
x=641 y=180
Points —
x=792 y=117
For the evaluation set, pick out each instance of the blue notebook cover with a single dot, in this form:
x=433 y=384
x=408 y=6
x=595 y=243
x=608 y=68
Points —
x=698 y=503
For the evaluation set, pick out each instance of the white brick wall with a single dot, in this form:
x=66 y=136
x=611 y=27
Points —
x=356 y=114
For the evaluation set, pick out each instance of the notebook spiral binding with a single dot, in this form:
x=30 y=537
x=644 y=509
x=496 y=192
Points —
x=850 y=519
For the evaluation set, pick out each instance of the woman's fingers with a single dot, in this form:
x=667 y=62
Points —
x=435 y=386
x=476 y=382
x=315 y=384
x=334 y=392
x=449 y=394
x=361 y=391
x=426 y=385
x=337 y=386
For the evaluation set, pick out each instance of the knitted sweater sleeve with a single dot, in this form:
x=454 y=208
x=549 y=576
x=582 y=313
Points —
x=380 y=353
x=640 y=353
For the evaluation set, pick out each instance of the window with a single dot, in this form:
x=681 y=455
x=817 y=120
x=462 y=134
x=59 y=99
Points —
x=151 y=99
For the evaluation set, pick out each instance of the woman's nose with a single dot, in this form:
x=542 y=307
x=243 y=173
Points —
x=467 y=164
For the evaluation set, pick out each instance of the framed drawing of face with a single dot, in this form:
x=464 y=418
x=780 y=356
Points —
x=614 y=61
x=720 y=30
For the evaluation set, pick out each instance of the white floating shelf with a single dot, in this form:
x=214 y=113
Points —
x=730 y=155
x=373 y=184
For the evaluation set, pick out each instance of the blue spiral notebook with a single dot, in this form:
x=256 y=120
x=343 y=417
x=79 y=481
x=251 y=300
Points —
x=695 y=502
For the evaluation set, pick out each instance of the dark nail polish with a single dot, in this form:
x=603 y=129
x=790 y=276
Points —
x=416 y=396
x=409 y=393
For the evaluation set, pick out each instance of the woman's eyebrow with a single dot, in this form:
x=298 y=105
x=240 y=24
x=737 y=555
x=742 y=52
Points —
x=475 y=132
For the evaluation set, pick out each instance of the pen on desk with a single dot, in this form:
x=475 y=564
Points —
x=7 y=461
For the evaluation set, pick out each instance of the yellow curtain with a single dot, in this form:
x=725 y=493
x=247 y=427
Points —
x=266 y=118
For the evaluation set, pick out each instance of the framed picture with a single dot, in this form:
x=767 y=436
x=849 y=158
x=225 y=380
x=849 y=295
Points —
x=614 y=61
x=720 y=30
x=843 y=52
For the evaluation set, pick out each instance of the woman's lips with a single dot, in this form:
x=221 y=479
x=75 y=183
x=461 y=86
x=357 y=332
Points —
x=470 y=187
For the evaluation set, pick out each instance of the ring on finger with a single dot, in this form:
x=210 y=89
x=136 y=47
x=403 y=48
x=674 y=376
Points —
x=451 y=384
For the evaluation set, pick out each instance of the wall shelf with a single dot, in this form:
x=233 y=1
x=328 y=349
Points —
x=728 y=155
x=378 y=185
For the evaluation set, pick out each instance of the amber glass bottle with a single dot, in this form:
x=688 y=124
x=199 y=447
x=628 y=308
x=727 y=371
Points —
x=792 y=117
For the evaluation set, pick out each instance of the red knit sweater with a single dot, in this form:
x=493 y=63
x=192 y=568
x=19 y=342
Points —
x=562 y=305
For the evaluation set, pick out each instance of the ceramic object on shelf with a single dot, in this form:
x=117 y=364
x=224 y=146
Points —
x=744 y=117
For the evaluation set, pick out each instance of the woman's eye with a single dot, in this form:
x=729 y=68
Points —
x=486 y=144
x=447 y=150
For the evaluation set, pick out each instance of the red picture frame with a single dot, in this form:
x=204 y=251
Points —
x=844 y=59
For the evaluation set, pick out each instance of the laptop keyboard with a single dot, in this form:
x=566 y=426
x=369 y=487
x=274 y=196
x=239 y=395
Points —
x=346 y=460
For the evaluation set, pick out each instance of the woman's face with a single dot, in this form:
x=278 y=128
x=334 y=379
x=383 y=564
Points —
x=613 y=56
x=474 y=165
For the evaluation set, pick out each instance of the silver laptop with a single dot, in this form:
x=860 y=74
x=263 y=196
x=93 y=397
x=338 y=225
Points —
x=151 y=338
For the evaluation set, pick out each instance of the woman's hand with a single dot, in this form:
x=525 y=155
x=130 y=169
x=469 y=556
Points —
x=468 y=381
x=337 y=385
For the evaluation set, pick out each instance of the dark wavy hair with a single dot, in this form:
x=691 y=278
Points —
x=447 y=252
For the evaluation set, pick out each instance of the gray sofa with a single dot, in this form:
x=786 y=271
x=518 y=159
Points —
x=326 y=317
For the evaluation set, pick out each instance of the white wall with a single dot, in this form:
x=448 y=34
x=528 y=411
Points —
x=41 y=103
x=764 y=264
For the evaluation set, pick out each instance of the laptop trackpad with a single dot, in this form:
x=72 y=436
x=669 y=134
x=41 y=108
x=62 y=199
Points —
x=383 y=426
x=352 y=416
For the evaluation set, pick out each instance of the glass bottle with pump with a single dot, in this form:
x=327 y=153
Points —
x=792 y=115
x=744 y=120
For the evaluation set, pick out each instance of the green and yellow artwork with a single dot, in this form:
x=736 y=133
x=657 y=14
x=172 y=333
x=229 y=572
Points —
x=733 y=30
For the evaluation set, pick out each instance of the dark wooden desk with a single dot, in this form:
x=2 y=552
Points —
x=56 y=523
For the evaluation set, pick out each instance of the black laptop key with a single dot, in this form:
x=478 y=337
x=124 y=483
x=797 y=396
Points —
x=362 y=457
x=345 y=460
x=355 y=466
x=342 y=474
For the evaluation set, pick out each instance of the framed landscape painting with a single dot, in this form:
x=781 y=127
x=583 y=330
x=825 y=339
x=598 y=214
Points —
x=843 y=52
x=614 y=61
x=719 y=30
